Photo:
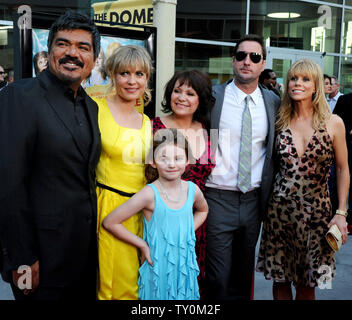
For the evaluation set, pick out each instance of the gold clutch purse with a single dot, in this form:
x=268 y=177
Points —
x=334 y=237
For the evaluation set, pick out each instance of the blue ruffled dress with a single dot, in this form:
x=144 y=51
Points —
x=171 y=238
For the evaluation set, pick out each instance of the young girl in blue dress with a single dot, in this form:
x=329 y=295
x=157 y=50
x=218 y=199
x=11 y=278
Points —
x=172 y=210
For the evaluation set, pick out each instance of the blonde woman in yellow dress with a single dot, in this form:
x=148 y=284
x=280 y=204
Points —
x=126 y=136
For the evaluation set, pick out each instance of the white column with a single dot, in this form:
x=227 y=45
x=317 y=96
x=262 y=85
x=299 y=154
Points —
x=164 y=19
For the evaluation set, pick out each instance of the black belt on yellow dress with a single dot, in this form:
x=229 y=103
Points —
x=122 y=193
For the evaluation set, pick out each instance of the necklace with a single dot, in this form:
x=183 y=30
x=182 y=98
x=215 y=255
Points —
x=166 y=196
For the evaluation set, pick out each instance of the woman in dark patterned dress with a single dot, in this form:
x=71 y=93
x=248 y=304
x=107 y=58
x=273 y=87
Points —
x=293 y=247
x=188 y=96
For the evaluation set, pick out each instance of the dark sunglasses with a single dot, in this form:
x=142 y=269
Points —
x=254 y=56
x=2 y=72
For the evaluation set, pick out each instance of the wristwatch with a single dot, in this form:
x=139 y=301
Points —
x=342 y=213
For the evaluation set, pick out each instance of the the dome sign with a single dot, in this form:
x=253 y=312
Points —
x=137 y=12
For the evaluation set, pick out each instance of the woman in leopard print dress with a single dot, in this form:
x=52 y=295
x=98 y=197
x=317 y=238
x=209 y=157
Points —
x=293 y=248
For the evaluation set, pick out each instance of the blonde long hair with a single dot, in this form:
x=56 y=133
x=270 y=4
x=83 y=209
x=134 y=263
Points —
x=321 y=109
x=128 y=57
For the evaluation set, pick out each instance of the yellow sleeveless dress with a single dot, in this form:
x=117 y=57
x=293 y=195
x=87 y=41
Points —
x=121 y=166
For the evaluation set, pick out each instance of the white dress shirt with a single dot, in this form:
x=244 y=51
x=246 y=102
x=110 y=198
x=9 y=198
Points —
x=224 y=175
x=332 y=101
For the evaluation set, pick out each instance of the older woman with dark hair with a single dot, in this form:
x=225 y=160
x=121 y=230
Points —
x=193 y=80
x=188 y=98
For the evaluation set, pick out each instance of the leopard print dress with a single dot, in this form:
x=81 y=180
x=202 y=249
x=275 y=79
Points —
x=293 y=246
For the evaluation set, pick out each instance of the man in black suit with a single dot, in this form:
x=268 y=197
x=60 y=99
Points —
x=50 y=144
x=238 y=188
x=343 y=109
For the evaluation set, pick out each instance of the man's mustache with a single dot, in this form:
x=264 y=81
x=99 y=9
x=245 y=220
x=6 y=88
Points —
x=68 y=59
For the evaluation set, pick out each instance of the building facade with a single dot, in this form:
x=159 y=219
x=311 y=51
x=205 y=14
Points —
x=207 y=30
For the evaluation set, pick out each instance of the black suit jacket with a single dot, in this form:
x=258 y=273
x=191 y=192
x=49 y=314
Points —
x=47 y=190
x=343 y=109
x=272 y=104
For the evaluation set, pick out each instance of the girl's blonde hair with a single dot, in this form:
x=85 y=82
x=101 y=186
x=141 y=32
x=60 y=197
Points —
x=321 y=109
x=129 y=57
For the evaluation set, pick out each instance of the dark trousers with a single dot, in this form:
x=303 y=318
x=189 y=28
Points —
x=233 y=227
x=81 y=289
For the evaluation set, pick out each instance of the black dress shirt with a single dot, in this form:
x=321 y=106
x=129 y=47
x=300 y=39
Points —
x=77 y=109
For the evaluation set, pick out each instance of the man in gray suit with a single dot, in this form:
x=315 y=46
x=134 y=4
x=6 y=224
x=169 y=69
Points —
x=239 y=186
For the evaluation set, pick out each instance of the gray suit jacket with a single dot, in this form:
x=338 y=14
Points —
x=272 y=104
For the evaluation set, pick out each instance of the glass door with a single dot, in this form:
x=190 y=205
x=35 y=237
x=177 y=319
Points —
x=280 y=60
